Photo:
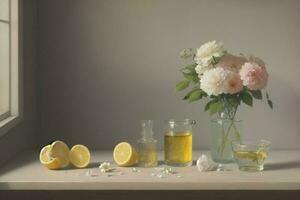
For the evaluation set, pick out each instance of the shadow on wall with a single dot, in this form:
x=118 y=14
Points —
x=105 y=67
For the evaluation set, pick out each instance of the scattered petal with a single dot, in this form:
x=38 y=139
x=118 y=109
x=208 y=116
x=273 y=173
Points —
x=105 y=167
x=160 y=168
x=135 y=170
x=161 y=176
x=88 y=173
x=205 y=164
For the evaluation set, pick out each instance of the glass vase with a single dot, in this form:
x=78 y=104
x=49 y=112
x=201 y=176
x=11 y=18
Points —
x=223 y=132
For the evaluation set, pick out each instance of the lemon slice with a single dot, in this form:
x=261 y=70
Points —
x=47 y=160
x=125 y=155
x=80 y=156
x=61 y=151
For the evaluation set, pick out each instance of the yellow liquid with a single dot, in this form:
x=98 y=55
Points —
x=254 y=156
x=250 y=160
x=178 y=147
x=147 y=154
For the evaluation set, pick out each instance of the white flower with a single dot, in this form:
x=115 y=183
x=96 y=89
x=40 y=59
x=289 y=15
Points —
x=206 y=52
x=213 y=81
x=201 y=69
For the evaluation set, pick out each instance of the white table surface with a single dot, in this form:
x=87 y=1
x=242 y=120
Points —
x=24 y=172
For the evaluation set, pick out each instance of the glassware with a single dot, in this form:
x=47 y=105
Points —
x=178 y=142
x=223 y=132
x=251 y=155
x=147 y=145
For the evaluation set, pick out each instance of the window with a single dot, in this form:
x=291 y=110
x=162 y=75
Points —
x=9 y=64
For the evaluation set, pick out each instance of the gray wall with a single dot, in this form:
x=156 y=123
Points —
x=106 y=64
x=22 y=136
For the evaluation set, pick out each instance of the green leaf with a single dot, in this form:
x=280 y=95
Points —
x=247 y=98
x=270 y=103
x=182 y=85
x=188 y=76
x=215 y=60
x=191 y=76
x=191 y=67
x=186 y=53
x=256 y=94
x=189 y=93
x=234 y=101
x=195 y=95
x=267 y=95
x=206 y=108
x=215 y=107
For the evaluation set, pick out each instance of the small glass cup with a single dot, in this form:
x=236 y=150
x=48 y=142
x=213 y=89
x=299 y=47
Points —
x=250 y=155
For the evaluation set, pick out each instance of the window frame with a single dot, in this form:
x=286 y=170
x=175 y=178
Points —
x=11 y=118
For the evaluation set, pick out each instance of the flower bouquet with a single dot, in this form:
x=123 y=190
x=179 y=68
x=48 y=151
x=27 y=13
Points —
x=226 y=81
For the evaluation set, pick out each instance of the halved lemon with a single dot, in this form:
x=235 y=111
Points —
x=61 y=151
x=125 y=155
x=47 y=160
x=80 y=156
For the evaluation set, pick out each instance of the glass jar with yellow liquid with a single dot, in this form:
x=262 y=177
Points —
x=179 y=142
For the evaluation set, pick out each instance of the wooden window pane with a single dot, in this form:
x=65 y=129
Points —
x=4 y=68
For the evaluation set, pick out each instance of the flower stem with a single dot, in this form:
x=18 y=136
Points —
x=226 y=135
x=225 y=138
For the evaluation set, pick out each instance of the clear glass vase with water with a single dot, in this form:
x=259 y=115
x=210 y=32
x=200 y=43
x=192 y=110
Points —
x=225 y=129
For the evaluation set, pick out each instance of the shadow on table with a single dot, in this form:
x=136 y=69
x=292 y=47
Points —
x=18 y=161
x=94 y=165
x=283 y=165
x=90 y=166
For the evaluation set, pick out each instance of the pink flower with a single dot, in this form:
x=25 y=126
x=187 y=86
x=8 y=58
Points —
x=234 y=83
x=257 y=60
x=231 y=62
x=254 y=74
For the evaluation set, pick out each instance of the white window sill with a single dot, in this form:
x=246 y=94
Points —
x=8 y=123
